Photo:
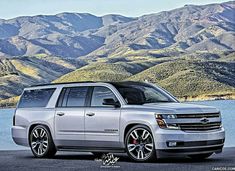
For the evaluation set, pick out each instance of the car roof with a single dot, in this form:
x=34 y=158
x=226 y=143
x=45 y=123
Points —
x=116 y=84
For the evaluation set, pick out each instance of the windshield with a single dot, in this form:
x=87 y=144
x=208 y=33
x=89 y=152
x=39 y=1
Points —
x=143 y=93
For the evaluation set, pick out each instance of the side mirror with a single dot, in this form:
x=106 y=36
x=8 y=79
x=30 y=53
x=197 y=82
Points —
x=111 y=102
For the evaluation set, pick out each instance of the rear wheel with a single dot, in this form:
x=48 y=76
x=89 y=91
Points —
x=41 y=142
x=140 y=144
x=200 y=156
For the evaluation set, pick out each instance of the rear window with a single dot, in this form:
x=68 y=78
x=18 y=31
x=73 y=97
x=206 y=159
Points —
x=35 y=98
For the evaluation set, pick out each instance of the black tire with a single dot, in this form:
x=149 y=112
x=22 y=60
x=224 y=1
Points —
x=40 y=137
x=151 y=155
x=200 y=156
x=97 y=154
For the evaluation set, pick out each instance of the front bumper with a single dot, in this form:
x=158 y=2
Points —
x=188 y=143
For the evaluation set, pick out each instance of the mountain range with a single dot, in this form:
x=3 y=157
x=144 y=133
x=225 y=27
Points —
x=43 y=48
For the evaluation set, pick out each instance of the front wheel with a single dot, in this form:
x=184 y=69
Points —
x=200 y=156
x=140 y=144
x=41 y=142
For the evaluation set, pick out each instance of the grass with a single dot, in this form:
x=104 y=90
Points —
x=26 y=69
x=102 y=72
x=6 y=68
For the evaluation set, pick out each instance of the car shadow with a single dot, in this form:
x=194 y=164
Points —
x=125 y=159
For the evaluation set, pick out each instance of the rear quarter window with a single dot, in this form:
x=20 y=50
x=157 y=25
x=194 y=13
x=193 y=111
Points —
x=35 y=98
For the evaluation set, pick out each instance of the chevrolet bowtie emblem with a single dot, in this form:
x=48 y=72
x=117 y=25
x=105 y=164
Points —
x=204 y=120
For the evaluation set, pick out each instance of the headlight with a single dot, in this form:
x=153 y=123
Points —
x=160 y=118
x=166 y=116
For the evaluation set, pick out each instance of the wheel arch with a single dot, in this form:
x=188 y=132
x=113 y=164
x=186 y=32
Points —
x=34 y=124
x=131 y=125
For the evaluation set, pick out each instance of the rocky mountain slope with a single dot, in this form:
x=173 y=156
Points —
x=189 y=50
x=190 y=28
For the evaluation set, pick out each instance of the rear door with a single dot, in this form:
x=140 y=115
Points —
x=102 y=121
x=69 y=118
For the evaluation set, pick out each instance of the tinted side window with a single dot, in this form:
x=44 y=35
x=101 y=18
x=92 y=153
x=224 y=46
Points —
x=99 y=94
x=73 y=97
x=35 y=98
x=77 y=96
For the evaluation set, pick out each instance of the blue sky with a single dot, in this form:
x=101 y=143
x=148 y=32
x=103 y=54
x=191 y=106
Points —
x=14 y=8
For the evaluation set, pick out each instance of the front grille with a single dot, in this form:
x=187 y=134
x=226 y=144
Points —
x=199 y=121
x=199 y=126
x=203 y=115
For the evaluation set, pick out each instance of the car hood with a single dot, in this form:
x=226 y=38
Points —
x=177 y=108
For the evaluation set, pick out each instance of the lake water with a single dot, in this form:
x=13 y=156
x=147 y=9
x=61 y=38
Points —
x=227 y=108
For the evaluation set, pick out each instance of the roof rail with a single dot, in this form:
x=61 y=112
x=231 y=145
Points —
x=110 y=82
x=37 y=85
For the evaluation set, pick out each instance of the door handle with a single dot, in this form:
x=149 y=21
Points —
x=60 y=113
x=90 y=114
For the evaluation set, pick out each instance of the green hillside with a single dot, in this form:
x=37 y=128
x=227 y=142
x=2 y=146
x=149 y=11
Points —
x=199 y=75
x=19 y=72
x=182 y=77
x=104 y=72
x=191 y=78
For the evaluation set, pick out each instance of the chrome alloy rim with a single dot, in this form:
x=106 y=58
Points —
x=140 y=144
x=39 y=141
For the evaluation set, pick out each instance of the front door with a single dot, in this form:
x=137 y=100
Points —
x=102 y=121
x=69 y=117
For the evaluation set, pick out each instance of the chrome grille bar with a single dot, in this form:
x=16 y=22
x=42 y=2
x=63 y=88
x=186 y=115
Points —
x=197 y=122
x=199 y=126
x=201 y=115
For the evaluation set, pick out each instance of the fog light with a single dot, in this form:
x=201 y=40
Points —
x=172 y=144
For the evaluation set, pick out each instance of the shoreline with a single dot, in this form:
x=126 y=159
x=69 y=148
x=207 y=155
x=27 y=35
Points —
x=208 y=97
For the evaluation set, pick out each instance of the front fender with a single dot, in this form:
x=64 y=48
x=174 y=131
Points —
x=147 y=119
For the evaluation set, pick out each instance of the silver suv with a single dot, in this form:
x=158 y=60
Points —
x=141 y=119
